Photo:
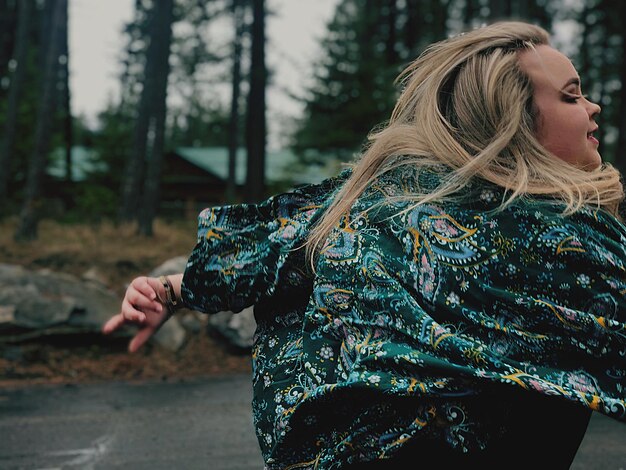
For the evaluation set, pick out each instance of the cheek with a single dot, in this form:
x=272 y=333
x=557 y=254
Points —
x=564 y=134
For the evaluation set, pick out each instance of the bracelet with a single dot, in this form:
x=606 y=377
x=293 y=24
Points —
x=171 y=302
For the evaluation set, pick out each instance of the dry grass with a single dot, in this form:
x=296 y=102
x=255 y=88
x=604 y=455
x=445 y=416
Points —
x=106 y=360
x=117 y=255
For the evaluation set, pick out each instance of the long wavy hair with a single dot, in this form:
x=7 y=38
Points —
x=466 y=104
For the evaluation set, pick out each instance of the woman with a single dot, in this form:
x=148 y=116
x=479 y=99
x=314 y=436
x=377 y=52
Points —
x=460 y=293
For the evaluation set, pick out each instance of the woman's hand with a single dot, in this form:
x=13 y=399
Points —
x=144 y=306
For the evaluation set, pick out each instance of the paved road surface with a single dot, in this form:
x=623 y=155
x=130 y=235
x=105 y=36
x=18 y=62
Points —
x=191 y=425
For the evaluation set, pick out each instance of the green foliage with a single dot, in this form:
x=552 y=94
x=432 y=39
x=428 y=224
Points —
x=200 y=66
x=353 y=83
x=599 y=60
x=367 y=43
x=8 y=33
x=26 y=119
x=196 y=120
x=95 y=202
x=192 y=60
x=113 y=143
x=351 y=89
x=29 y=95
x=200 y=125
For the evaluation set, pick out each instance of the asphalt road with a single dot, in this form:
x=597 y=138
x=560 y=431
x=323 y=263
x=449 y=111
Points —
x=190 y=425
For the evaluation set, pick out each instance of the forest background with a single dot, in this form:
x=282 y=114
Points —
x=51 y=218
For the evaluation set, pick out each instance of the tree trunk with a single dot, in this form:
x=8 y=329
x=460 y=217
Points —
x=604 y=68
x=411 y=27
x=255 y=119
x=521 y=9
x=583 y=55
x=499 y=9
x=10 y=123
x=471 y=13
x=620 y=158
x=160 y=40
x=67 y=109
x=9 y=12
x=440 y=19
x=45 y=23
x=233 y=123
x=135 y=166
x=391 y=51
x=29 y=216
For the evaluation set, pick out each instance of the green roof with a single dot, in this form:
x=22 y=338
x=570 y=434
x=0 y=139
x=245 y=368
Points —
x=280 y=166
x=215 y=161
x=84 y=162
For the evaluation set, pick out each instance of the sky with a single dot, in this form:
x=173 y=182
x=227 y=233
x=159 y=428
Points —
x=96 y=44
x=294 y=32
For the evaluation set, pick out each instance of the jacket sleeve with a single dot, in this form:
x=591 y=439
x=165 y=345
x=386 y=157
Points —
x=244 y=251
x=471 y=301
x=542 y=297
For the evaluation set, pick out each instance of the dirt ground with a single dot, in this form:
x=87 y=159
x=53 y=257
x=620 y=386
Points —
x=116 y=255
x=104 y=359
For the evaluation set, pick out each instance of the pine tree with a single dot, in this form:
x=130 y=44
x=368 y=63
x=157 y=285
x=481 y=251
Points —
x=16 y=85
x=140 y=189
x=353 y=88
x=134 y=169
x=29 y=214
x=600 y=61
x=255 y=116
x=238 y=14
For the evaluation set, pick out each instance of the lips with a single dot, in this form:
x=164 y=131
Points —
x=591 y=137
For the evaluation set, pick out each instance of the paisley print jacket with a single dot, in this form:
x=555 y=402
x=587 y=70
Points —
x=418 y=320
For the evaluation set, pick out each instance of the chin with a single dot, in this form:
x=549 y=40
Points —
x=586 y=163
x=589 y=162
x=593 y=164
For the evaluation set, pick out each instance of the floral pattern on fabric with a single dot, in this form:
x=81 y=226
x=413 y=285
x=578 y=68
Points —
x=418 y=320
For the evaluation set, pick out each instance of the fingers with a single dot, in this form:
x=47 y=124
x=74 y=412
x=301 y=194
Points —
x=140 y=338
x=140 y=300
x=113 y=324
x=140 y=297
x=143 y=286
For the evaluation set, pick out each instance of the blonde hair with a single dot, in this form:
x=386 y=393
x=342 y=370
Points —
x=466 y=104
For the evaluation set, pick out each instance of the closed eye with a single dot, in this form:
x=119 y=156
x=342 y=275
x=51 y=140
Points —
x=571 y=98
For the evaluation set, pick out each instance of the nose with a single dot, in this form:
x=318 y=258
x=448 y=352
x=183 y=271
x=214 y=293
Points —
x=593 y=108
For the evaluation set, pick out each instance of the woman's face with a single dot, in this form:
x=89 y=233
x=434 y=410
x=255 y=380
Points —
x=566 y=117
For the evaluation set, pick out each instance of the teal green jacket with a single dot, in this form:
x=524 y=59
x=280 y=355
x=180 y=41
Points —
x=418 y=320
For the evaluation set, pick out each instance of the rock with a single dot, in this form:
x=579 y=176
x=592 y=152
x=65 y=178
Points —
x=237 y=328
x=171 y=266
x=171 y=335
x=7 y=314
x=44 y=302
x=94 y=275
x=192 y=321
x=44 y=299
